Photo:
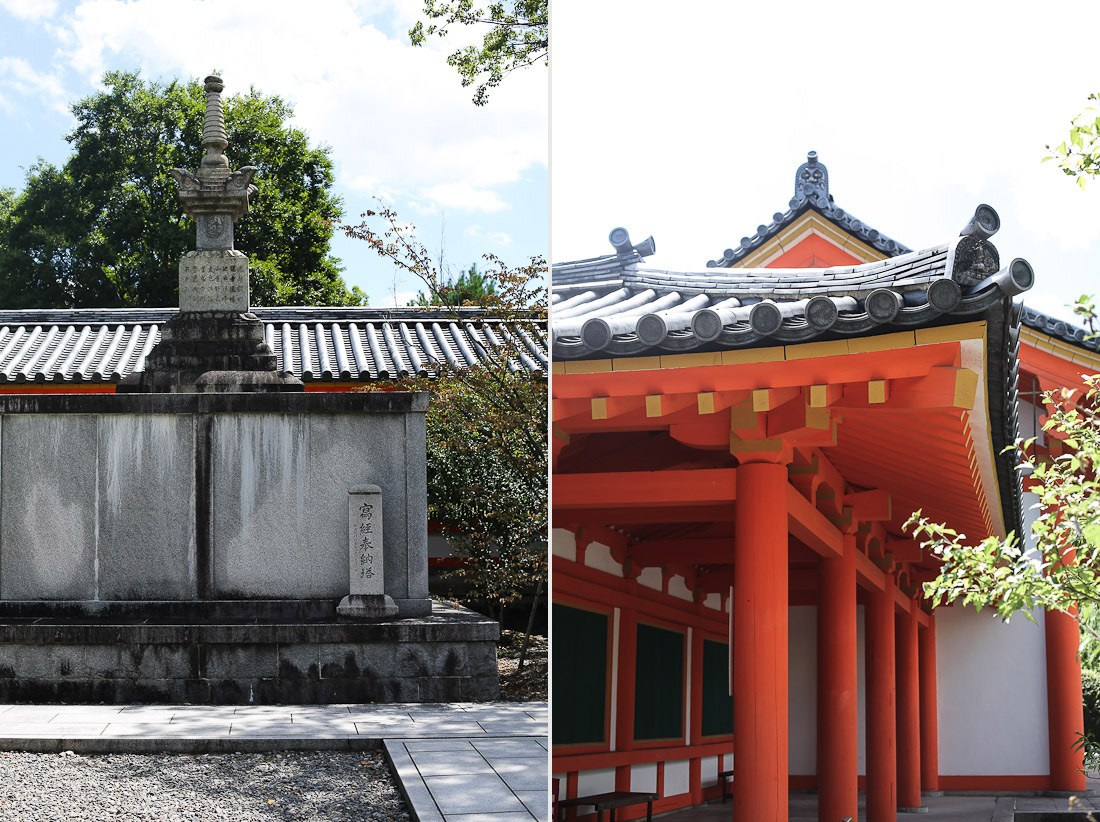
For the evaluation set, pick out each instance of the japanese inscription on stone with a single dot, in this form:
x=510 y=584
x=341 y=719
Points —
x=365 y=540
x=214 y=281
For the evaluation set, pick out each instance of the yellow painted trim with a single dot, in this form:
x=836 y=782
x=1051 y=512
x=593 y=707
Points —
x=1061 y=348
x=751 y=356
x=587 y=366
x=700 y=360
x=740 y=446
x=636 y=364
x=951 y=333
x=599 y=408
x=557 y=367
x=653 y=405
x=705 y=402
x=779 y=353
x=876 y=391
x=761 y=399
x=886 y=342
x=809 y=223
x=742 y=417
x=966 y=388
x=808 y=351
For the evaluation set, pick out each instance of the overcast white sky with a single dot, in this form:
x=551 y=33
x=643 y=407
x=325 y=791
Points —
x=687 y=121
x=400 y=126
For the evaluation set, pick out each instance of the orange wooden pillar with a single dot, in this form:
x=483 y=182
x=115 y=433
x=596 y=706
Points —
x=1065 y=713
x=760 y=643
x=837 y=675
x=881 y=713
x=929 y=720
x=908 y=713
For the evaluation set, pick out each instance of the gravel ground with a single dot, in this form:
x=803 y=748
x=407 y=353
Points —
x=179 y=787
x=529 y=684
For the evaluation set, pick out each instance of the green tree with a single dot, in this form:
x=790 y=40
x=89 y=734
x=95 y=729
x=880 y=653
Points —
x=106 y=229
x=1062 y=569
x=517 y=36
x=487 y=440
x=471 y=288
x=1079 y=154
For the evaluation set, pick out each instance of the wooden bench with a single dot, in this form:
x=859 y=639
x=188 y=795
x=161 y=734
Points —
x=724 y=778
x=609 y=802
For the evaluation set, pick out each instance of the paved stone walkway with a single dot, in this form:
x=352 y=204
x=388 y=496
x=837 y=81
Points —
x=455 y=762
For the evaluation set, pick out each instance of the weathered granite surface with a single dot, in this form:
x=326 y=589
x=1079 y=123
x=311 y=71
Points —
x=447 y=656
x=207 y=496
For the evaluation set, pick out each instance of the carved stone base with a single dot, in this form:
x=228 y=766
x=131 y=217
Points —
x=211 y=352
x=367 y=607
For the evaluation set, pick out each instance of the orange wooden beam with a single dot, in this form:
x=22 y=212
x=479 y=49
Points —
x=870 y=506
x=627 y=489
x=812 y=527
x=689 y=551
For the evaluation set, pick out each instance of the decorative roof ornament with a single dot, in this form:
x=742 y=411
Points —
x=215 y=196
x=811 y=180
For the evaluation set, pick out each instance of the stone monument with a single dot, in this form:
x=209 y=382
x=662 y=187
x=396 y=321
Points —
x=215 y=343
x=213 y=533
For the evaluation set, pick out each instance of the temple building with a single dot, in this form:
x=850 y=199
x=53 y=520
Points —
x=736 y=449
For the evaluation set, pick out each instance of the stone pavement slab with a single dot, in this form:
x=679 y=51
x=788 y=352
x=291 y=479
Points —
x=454 y=762
x=450 y=780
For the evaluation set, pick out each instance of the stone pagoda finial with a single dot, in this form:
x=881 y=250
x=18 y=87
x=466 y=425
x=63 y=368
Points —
x=215 y=196
x=214 y=138
x=811 y=181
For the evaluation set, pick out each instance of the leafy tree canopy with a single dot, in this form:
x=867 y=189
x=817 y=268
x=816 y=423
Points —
x=106 y=229
x=471 y=288
x=487 y=439
x=1079 y=154
x=517 y=36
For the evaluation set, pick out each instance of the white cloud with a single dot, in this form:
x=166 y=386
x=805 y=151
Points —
x=29 y=9
x=396 y=117
x=458 y=197
x=18 y=77
x=498 y=238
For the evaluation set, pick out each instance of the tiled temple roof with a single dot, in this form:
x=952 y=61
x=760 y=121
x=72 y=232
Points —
x=314 y=344
x=1054 y=327
x=600 y=311
x=811 y=193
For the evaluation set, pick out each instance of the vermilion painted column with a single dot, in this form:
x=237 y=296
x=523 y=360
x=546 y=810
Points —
x=837 y=674
x=882 y=796
x=1065 y=713
x=760 y=643
x=908 y=715
x=929 y=721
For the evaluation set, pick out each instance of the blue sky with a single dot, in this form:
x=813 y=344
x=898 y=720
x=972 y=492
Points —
x=688 y=124
x=401 y=128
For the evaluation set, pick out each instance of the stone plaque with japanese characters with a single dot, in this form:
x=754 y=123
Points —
x=365 y=512
x=367 y=597
x=214 y=281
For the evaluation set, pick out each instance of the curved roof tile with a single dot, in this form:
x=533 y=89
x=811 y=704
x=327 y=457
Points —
x=314 y=344
x=644 y=310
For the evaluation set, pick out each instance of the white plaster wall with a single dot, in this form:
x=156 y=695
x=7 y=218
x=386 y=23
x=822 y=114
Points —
x=802 y=682
x=643 y=777
x=677 y=777
x=677 y=587
x=563 y=544
x=650 y=578
x=713 y=601
x=991 y=694
x=708 y=771
x=598 y=781
x=598 y=556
